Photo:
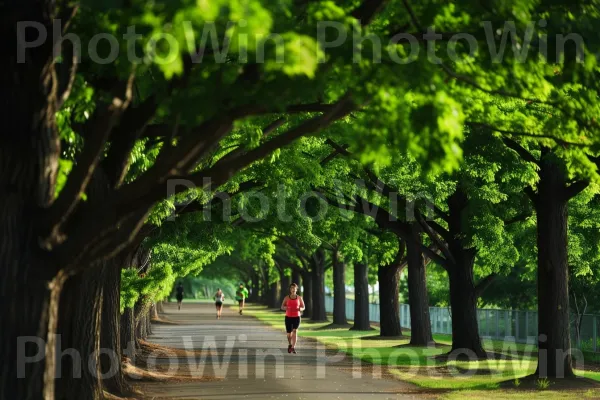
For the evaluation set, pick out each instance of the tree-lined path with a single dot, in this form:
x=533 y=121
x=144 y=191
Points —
x=310 y=374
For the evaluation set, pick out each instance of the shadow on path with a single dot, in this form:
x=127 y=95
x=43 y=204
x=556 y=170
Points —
x=247 y=359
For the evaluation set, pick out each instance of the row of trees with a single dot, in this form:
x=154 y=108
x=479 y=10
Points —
x=90 y=152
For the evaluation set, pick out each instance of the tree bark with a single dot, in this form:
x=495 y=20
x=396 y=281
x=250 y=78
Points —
x=361 y=298
x=389 y=307
x=128 y=339
x=254 y=297
x=273 y=297
x=463 y=304
x=307 y=295
x=141 y=314
x=418 y=299
x=318 y=286
x=149 y=321
x=339 y=290
x=153 y=312
x=30 y=279
x=297 y=278
x=264 y=292
x=554 y=342
x=286 y=281
x=463 y=296
x=110 y=338
x=79 y=327
x=140 y=328
x=28 y=311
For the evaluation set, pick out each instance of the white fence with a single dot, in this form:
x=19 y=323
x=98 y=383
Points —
x=520 y=326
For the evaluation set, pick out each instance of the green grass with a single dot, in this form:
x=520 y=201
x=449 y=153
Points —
x=523 y=395
x=416 y=365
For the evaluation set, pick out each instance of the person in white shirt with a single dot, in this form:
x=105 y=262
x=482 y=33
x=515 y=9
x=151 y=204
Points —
x=219 y=298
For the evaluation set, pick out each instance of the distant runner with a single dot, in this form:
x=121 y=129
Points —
x=293 y=306
x=179 y=295
x=241 y=295
x=219 y=299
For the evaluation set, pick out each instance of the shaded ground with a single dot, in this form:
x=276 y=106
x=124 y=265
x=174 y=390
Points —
x=241 y=357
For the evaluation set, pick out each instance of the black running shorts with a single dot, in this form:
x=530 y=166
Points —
x=219 y=304
x=291 y=323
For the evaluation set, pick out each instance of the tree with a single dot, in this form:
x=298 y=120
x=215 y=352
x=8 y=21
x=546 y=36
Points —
x=186 y=112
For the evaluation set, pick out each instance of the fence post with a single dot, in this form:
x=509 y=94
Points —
x=595 y=334
x=497 y=324
x=487 y=322
x=526 y=325
x=517 y=325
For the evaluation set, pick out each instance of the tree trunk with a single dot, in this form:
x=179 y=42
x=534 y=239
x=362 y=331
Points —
x=286 y=281
x=153 y=312
x=463 y=296
x=361 y=298
x=28 y=311
x=418 y=299
x=264 y=292
x=389 y=307
x=318 y=293
x=79 y=327
x=30 y=279
x=149 y=322
x=554 y=342
x=273 y=299
x=307 y=294
x=339 y=290
x=110 y=338
x=140 y=329
x=297 y=278
x=253 y=296
x=141 y=314
x=463 y=305
x=128 y=339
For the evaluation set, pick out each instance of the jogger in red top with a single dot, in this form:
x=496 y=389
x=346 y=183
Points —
x=293 y=306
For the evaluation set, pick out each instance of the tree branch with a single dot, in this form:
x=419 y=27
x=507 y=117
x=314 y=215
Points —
x=575 y=188
x=518 y=218
x=65 y=72
x=148 y=191
x=101 y=124
x=124 y=137
x=471 y=82
x=379 y=185
x=367 y=10
x=331 y=156
x=521 y=151
x=413 y=16
x=443 y=247
x=526 y=134
x=239 y=151
x=133 y=124
x=533 y=196
x=435 y=257
x=198 y=207
x=484 y=284
x=443 y=232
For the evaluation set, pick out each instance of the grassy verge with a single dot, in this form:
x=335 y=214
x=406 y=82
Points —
x=416 y=364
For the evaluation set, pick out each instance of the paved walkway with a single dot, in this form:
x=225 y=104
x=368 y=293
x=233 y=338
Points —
x=253 y=361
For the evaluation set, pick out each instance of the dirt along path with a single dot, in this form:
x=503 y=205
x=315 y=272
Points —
x=242 y=358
